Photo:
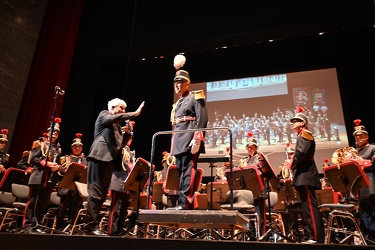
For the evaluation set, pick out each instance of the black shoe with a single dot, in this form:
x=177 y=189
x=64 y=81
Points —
x=95 y=231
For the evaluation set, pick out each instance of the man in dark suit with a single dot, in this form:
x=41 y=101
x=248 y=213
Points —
x=189 y=112
x=104 y=156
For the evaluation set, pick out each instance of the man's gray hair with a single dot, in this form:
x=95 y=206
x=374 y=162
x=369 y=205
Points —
x=112 y=104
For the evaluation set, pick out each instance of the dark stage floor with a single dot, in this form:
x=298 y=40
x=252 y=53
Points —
x=9 y=241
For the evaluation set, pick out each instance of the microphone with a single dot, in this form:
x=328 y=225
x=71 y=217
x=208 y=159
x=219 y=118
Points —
x=59 y=90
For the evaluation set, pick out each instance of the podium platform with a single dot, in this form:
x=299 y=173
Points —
x=194 y=219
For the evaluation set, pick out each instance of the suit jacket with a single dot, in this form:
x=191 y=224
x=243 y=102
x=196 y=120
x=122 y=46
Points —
x=108 y=138
x=189 y=106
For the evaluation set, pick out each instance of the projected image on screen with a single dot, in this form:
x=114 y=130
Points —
x=263 y=105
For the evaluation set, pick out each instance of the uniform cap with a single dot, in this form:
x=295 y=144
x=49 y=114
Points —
x=251 y=141
x=56 y=127
x=4 y=135
x=358 y=128
x=181 y=75
x=77 y=140
x=299 y=116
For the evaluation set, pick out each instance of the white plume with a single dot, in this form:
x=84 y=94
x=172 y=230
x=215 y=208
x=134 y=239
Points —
x=179 y=61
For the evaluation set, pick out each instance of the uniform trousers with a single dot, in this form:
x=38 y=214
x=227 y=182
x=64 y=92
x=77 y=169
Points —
x=187 y=166
x=311 y=217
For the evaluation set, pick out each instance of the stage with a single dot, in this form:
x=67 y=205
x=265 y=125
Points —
x=9 y=241
x=187 y=229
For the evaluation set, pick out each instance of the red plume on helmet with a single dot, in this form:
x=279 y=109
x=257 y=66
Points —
x=3 y=135
x=79 y=135
x=358 y=128
x=357 y=122
x=300 y=109
x=250 y=134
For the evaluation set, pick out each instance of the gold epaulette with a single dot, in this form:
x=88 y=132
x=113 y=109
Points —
x=199 y=94
x=307 y=135
x=7 y=157
x=36 y=144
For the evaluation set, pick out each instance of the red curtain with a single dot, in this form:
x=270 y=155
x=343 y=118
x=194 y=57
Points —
x=50 y=67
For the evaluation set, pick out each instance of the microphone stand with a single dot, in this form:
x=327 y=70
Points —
x=58 y=91
x=34 y=223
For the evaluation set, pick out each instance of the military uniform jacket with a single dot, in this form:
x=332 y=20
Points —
x=367 y=152
x=4 y=158
x=192 y=105
x=108 y=138
x=41 y=173
x=304 y=170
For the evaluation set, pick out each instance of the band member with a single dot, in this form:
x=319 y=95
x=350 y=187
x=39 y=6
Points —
x=367 y=202
x=4 y=157
x=121 y=196
x=252 y=159
x=306 y=178
x=189 y=112
x=45 y=158
x=285 y=170
x=70 y=200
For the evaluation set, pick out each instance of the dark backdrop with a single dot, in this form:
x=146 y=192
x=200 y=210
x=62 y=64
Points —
x=125 y=49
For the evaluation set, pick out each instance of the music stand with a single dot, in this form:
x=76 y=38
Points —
x=347 y=178
x=75 y=172
x=138 y=176
x=268 y=172
x=136 y=180
x=248 y=178
x=272 y=183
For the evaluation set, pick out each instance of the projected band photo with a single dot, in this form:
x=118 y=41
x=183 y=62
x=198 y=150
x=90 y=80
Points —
x=262 y=107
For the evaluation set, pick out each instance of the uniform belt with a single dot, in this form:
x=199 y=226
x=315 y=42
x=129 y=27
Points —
x=184 y=119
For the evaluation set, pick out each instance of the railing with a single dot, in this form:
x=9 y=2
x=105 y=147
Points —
x=187 y=131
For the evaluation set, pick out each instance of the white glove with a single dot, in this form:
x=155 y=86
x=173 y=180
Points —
x=195 y=144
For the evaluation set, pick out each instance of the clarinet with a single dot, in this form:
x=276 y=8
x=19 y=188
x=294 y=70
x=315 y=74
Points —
x=53 y=157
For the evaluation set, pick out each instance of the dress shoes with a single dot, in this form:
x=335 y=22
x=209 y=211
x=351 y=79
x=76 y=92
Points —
x=176 y=208
x=309 y=242
x=96 y=231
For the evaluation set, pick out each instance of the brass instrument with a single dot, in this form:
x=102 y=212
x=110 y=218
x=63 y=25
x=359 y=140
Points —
x=342 y=155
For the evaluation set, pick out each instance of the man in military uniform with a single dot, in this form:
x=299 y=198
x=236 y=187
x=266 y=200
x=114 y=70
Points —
x=4 y=157
x=306 y=178
x=189 y=112
x=45 y=159
x=367 y=202
x=252 y=159
x=71 y=201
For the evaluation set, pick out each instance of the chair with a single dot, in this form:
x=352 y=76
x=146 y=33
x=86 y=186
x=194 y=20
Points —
x=172 y=189
x=12 y=214
x=347 y=178
x=243 y=201
x=80 y=218
x=52 y=211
